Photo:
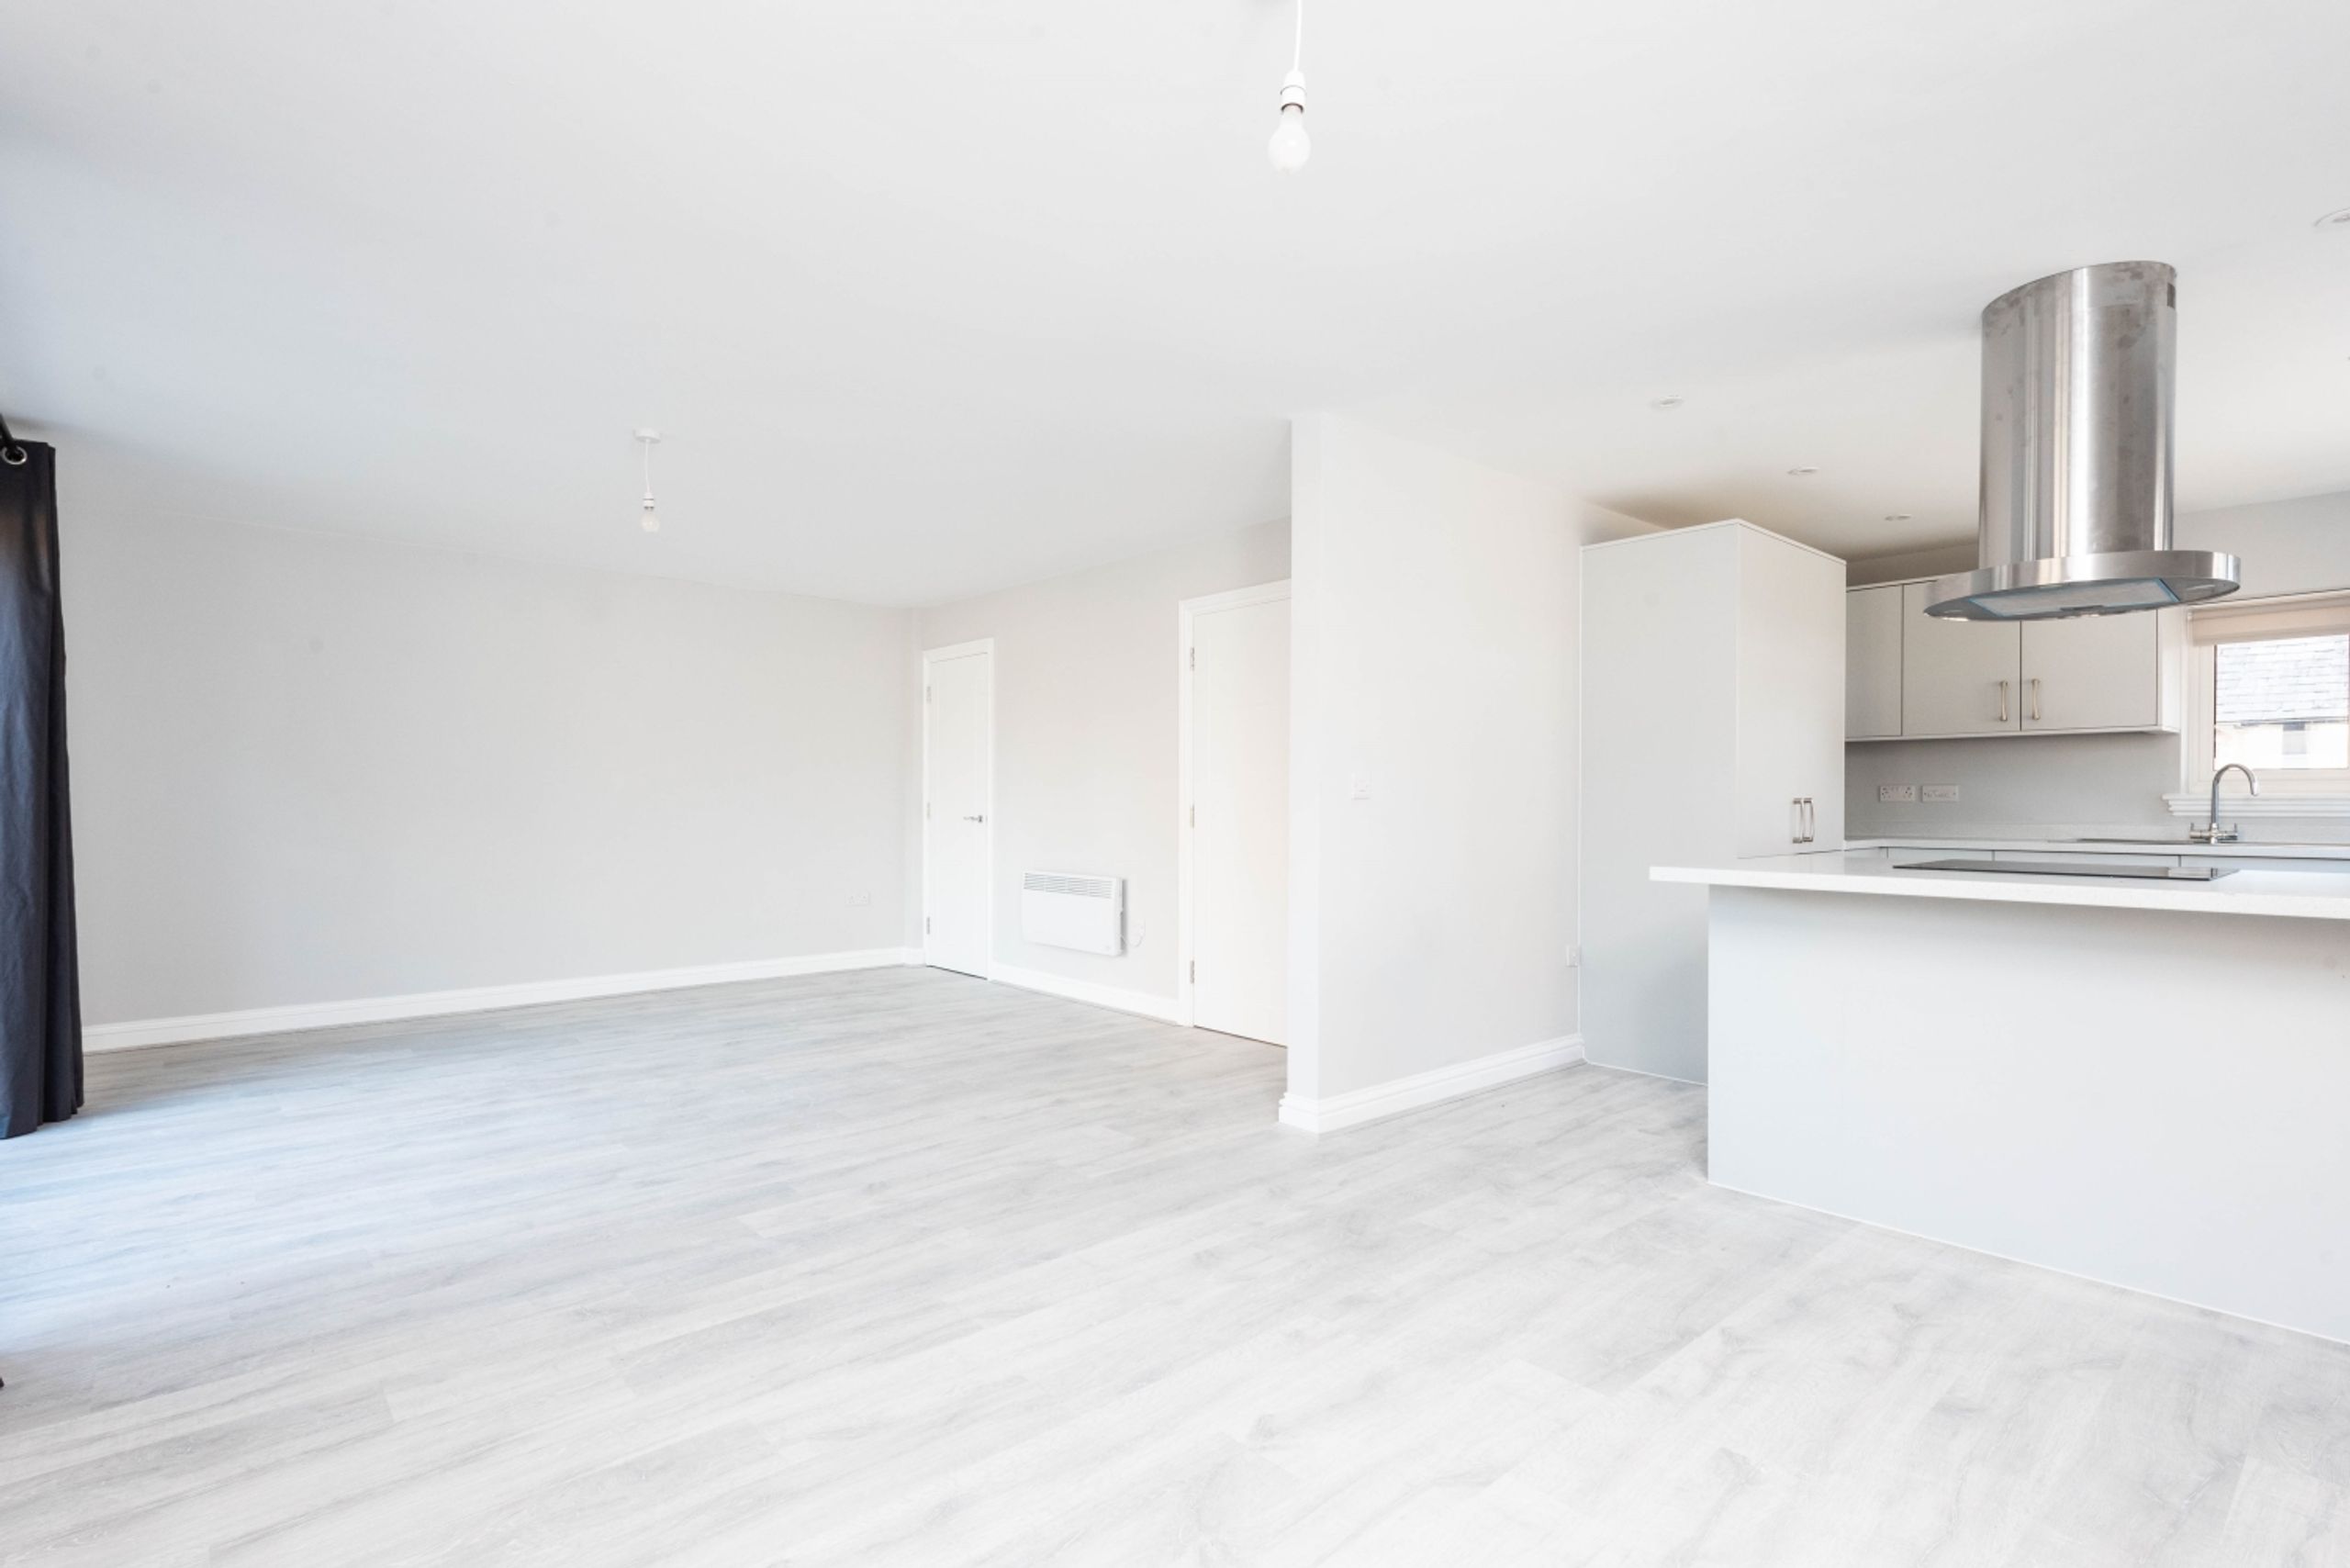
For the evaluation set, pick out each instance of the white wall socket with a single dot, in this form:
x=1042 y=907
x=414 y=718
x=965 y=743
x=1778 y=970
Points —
x=1940 y=791
x=1890 y=793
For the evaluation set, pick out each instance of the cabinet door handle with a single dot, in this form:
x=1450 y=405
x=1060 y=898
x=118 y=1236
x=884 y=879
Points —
x=1810 y=820
x=2035 y=700
x=2003 y=702
x=1794 y=812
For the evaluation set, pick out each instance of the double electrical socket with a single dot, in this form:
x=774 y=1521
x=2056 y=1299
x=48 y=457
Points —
x=1909 y=794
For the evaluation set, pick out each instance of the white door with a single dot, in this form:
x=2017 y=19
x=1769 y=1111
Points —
x=2093 y=672
x=958 y=803
x=1237 y=815
x=1958 y=678
x=1790 y=681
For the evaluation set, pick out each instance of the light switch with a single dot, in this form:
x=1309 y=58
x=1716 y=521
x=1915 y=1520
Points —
x=1357 y=787
x=1940 y=791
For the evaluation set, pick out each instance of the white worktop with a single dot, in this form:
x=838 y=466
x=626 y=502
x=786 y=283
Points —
x=2050 y=843
x=2306 y=895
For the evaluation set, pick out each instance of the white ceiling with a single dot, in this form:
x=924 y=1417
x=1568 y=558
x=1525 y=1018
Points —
x=931 y=298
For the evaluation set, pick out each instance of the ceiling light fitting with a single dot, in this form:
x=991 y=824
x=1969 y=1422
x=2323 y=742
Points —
x=1801 y=473
x=1665 y=405
x=2336 y=219
x=649 y=519
x=1291 y=146
x=1898 y=517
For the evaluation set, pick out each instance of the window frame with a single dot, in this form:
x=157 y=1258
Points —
x=2295 y=792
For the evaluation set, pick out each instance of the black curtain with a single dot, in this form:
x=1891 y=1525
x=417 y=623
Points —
x=41 y=989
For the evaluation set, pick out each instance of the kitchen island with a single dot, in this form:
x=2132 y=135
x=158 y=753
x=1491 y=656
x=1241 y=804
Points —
x=2145 y=1082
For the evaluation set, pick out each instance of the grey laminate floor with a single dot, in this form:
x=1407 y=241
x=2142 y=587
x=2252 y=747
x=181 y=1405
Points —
x=899 y=1268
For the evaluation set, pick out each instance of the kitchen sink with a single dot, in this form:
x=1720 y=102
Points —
x=2146 y=843
x=2053 y=869
x=2252 y=846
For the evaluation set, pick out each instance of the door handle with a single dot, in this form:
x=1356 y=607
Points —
x=2003 y=702
x=978 y=819
x=2035 y=700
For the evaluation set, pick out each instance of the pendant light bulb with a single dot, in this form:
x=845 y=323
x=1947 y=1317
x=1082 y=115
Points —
x=1291 y=146
x=648 y=519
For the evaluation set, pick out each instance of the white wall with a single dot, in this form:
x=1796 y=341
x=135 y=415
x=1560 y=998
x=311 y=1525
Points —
x=2088 y=782
x=313 y=768
x=1086 y=739
x=1435 y=642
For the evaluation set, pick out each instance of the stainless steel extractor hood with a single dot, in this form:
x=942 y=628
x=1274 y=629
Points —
x=2076 y=452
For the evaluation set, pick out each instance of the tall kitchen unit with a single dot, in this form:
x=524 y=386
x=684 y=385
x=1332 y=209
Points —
x=1713 y=728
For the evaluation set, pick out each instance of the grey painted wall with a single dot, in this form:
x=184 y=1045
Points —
x=1938 y=562
x=313 y=768
x=1086 y=739
x=2297 y=546
x=2090 y=781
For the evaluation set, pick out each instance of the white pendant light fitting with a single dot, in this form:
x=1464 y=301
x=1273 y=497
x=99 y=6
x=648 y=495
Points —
x=1291 y=146
x=649 y=519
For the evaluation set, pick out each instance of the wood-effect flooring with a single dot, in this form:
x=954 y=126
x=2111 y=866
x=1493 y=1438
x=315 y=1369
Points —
x=900 y=1268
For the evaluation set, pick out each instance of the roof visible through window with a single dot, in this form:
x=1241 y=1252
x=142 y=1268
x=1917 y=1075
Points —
x=2286 y=680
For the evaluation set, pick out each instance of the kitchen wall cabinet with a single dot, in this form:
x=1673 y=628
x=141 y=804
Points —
x=1958 y=678
x=2095 y=672
x=1873 y=663
x=2089 y=675
x=1713 y=727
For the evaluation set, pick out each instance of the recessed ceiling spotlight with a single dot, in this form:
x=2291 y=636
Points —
x=1896 y=517
x=1666 y=404
x=2339 y=218
x=1803 y=473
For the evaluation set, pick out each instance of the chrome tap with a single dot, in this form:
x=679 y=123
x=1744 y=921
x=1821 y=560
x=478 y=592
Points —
x=2210 y=832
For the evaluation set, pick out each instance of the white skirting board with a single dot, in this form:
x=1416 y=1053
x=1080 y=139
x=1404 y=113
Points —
x=1333 y=1112
x=479 y=999
x=1113 y=997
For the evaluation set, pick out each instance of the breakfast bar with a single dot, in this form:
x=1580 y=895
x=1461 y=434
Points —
x=2142 y=1081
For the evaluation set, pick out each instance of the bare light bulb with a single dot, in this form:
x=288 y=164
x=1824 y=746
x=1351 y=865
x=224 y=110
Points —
x=647 y=519
x=1291 y=146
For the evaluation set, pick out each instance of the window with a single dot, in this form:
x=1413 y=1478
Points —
x=2282 y=703
x=2271 y=690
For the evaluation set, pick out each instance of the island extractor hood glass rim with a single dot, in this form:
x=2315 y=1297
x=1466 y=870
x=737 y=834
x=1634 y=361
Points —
x=2129 y=581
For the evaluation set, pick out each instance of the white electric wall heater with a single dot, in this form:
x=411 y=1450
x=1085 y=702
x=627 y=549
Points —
x=1063 y=909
